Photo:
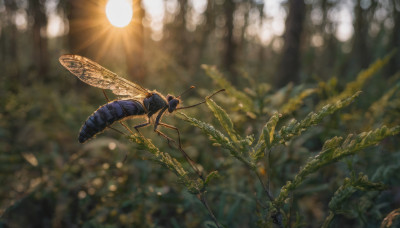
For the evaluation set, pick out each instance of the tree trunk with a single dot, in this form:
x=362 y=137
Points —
x=228 y=60
x=9 y=48
x=394 y=66
x=261 y=51
x=203 y=35
x=135 y=54
x=360 y=47
x=181 y=43
x=9 y=33
x=40 y=51
x=289 y=66
x=327 y=60
x=80 y=15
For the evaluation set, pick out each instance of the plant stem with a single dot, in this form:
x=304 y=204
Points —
x=328 y=220
x=191 y=163
x=202 y=194
x=268 y=168
x=202 y=197
x=264 y=187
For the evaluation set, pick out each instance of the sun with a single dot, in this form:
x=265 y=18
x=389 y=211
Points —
x=119 y=12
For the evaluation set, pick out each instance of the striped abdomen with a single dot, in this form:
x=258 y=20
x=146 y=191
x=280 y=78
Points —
x=108 y=114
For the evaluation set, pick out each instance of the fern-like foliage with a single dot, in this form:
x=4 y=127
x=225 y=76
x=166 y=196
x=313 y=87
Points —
x=346 y=190
x=270 y=138
x=334 y=150
x=194 y=186
x=295 y=128
x=259 y=100
x=279 y=131
x=294 y=103
x=380 y=109
x=351 y=185
x=219 y=139
x=224 y=120
x=266 y=138
x=243 y=149
x=361 y=79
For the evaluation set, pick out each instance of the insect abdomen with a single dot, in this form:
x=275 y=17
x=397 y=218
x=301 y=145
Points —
x=107 y=115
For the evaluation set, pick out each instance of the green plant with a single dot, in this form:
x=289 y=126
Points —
x=281 y=131
x=267 y=157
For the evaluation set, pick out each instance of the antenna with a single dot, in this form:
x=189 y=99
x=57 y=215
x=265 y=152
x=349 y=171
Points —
x=208 y=97
x=191 y=87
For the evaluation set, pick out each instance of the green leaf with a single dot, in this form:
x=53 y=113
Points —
x=332 y=143
x=294 y=103
x=266 y=137
x=269 y=129
x=211 y=176
x=223 y=119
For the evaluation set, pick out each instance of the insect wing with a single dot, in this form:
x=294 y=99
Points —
x=95 y=75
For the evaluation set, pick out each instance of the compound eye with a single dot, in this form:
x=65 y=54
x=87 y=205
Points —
x=169 y=98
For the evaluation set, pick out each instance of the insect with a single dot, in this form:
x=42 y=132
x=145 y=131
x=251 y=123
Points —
x=135 y=100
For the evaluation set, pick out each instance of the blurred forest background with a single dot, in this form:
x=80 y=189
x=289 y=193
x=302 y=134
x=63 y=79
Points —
x=265 y=48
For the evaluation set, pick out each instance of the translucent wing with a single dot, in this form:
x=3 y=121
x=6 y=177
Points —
x=95 y=75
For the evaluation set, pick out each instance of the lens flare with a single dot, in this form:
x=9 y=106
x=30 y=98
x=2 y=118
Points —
x=119 y=12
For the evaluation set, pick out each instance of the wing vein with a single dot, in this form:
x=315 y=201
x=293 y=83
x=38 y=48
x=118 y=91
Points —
x=95 y=75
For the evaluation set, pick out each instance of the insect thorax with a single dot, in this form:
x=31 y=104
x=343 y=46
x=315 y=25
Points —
x=154 y=103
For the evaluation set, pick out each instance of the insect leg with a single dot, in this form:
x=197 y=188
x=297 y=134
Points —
x=179 y=140
x=174 y=128
x=105 y=95
x=142 y=125
x=165 y=136
x=185 y=155
x=117 y=130
x=188 y=159
x=160 y=133
x=158 y=118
